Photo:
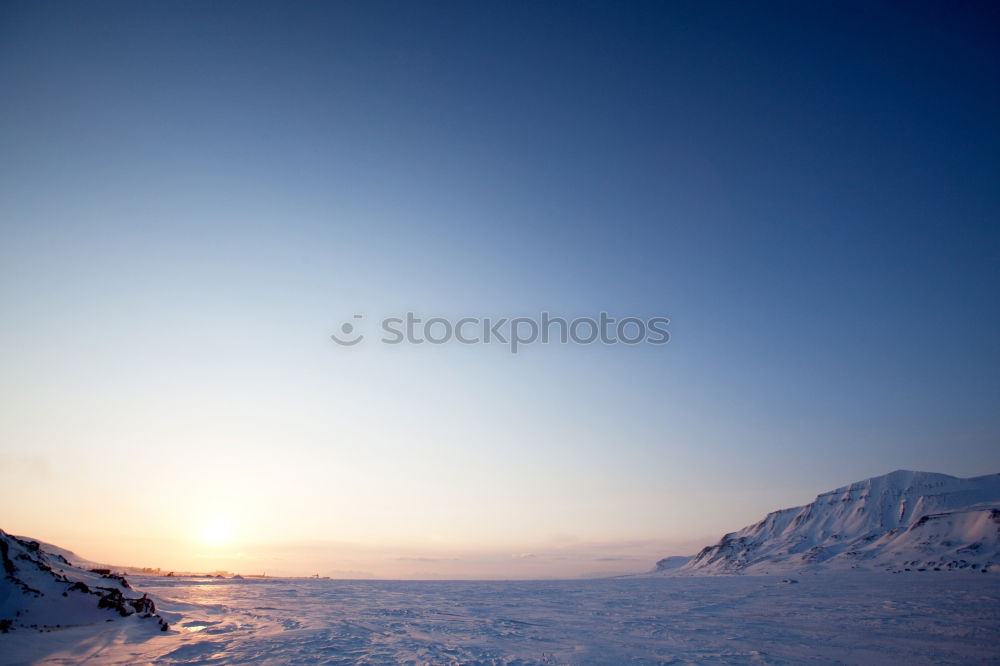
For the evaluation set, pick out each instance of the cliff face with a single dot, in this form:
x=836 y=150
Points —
x=897 y=521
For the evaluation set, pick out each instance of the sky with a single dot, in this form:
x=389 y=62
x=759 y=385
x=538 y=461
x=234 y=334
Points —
x=195 y=196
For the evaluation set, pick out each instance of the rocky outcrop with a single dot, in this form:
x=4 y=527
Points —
x=41 y=589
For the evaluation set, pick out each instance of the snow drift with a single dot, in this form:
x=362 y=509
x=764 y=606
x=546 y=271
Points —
x=41 y=589
x=901 y=521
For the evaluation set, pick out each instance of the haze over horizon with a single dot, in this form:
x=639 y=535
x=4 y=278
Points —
x=194 y=197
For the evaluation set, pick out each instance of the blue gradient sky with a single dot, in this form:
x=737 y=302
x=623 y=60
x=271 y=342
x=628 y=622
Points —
x=193 y=196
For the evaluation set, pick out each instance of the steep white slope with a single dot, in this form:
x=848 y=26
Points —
x=901 y=520
x=40 y=589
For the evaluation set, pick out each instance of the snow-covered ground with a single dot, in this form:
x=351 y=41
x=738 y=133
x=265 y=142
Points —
x=851 y=617
x=40 y=589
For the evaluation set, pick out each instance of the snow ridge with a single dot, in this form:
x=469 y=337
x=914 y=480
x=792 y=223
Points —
x=902 y=520
x=41 y=590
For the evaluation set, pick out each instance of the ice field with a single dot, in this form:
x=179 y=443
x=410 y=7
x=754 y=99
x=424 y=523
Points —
x=854 y=618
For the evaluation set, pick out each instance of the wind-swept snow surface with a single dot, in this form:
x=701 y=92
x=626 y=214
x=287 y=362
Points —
x=837 y=618
x=903 y=520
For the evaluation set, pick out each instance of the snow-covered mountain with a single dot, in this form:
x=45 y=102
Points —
x=673 y=562
x=42 y=589
x=903 y=520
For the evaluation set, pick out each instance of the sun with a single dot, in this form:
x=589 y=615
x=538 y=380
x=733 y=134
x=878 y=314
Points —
x=215 y=530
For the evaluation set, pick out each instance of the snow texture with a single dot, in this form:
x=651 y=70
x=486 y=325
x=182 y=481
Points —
x=41 y=591
x=897 y=522
x=847 y=617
